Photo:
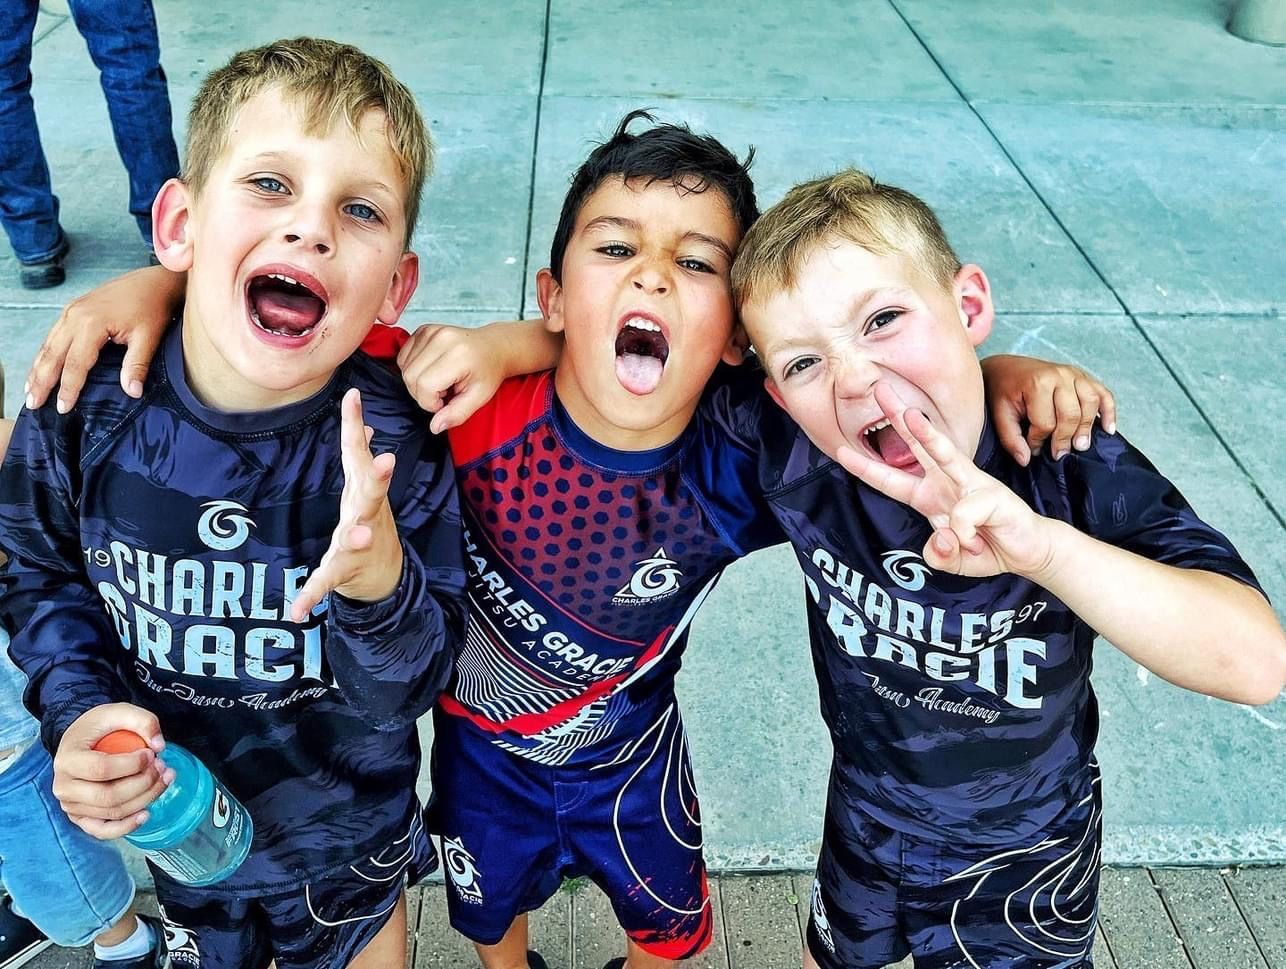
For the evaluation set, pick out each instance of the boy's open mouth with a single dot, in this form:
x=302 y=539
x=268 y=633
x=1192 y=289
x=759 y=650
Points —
x=883 y=440
x=641 y=352
x=285 y=304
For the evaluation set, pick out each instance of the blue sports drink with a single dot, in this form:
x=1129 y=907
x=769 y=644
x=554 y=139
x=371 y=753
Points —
x=196 y=832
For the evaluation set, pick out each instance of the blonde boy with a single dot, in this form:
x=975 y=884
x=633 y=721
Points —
x=954 y=595
x=171 y=557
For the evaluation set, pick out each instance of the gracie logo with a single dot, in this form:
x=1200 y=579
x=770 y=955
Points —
x=224 y=526
x=181 y=944
x=820 y=922
x=654 y=578
x=906 y=569
x=462 y=869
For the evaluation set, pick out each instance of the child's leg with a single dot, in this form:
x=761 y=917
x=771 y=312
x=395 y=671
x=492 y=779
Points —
x=388 y=948
x=510 y=952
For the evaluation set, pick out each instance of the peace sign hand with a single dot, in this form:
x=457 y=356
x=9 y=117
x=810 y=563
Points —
x=364 y=561
x=981 y=528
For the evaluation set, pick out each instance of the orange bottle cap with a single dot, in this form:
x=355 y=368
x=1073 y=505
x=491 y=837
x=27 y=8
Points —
x=121 y=742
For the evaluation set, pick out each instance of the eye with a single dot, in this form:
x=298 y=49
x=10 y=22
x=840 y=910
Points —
x=696 y=265
x=363 y=212
x=268 y=184
x=797 y=366
x=882 y=319
x=617 y=250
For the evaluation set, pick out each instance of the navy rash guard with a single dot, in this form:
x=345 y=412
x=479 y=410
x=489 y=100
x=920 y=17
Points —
x=154 y=546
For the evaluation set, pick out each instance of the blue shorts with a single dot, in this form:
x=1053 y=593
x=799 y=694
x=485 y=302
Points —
x=72 y=886
x=881 y=894
x=512 y=829
x=322 y=925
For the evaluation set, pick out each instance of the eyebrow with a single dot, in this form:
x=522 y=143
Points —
x=620 y=222
x=287 y=156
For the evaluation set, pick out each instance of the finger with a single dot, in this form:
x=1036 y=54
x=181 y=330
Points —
x=139 y=352
x=1107 y=409
x=354 y=453
x=372 y=487
x=91 y=766
x=1040 y=419
x=108 y=830
x=938 y=450
x=370 y=433
x=1087 y=394
x=1067 y=410
x=115 y=801
x=897 y=484
x=942 y=551
x=48 y=365
x=964 y=521
x=319 y=585
x=81 y=356
x=1009 y=429
x=458 y=409
x=91 y=727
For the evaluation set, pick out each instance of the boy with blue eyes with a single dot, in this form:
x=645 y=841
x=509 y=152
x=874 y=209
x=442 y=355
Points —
x=954 y=595
x=222 y=562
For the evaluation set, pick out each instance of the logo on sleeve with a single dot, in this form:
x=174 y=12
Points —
x=906 y=569
x=225 y=525
x=655 y=577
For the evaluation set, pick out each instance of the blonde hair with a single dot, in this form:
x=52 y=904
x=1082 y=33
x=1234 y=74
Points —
x=849 y=205
x=328 y=80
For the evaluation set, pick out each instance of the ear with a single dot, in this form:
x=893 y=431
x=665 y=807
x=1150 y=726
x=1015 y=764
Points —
x=550 y=296
x=171 y=228
x=734 y=354
x=775 y=394
x=400 y=288
x=972 y=292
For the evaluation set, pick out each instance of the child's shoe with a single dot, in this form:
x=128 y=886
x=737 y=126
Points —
x=535 y=960
x=20 y=941
x=155 y=958
x=617 y=963
x=48 y=272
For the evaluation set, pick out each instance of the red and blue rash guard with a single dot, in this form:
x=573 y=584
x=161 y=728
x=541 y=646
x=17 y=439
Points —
x=586 y=565
x=154 y=548
x=958 y=705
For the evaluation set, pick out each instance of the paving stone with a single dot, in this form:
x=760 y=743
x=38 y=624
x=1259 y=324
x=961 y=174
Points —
x=1208 y=919
x=1232 y=366
x=1260 y=893
x=1135 y=922
x=985 y=206
x=437 y=945
x=550 y=931
x=715 y=955
x=1176 y=52
x=1102 y=951
x=763 y=927
x=449 y=46
x=825 y=49
x=1173 y=205
x=596 y=934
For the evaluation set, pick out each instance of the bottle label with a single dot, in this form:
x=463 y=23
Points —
x=211 y=847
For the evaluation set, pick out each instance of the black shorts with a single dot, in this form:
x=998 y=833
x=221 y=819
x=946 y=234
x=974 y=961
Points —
x=880 y=894
x=321 y=925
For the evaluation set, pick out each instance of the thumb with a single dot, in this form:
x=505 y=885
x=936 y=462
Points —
x=138 y=355
x=942 y=551
x=459 y=409
x=101 y=721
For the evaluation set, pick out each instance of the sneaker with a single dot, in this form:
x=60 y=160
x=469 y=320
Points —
x=535 y=960
x=156 y=958
x=617 y=963
x=48 y=272
x=20 y=941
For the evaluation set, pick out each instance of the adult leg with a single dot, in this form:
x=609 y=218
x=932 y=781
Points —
x=121 y=36
x=28 y=207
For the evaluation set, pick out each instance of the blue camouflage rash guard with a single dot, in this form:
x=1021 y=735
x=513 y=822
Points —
x=958 y=704
x=154 y=548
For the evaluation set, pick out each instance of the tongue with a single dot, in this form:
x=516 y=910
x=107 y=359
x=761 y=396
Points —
x=287 y=312
x=637 y=373
x=892 y=448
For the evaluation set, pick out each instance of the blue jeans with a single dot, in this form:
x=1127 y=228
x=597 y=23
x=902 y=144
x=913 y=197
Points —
x=121 y=36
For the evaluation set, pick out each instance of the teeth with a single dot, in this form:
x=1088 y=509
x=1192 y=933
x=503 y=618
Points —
x=639 y=323
x=259 y=323
x=878 y=426
x=285 y=279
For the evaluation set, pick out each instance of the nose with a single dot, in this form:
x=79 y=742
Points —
x=855 y=377
x=312 y=228
x=652 y=277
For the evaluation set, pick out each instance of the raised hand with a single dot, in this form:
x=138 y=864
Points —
x=980 y=527
x=364 y=561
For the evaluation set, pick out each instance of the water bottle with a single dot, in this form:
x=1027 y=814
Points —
x=196 y=831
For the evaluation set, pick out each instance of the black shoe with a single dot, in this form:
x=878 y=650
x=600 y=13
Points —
x=617 y=963
x=20 y=941
x=48 y=272
x=156 y=958
x=535 y=960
